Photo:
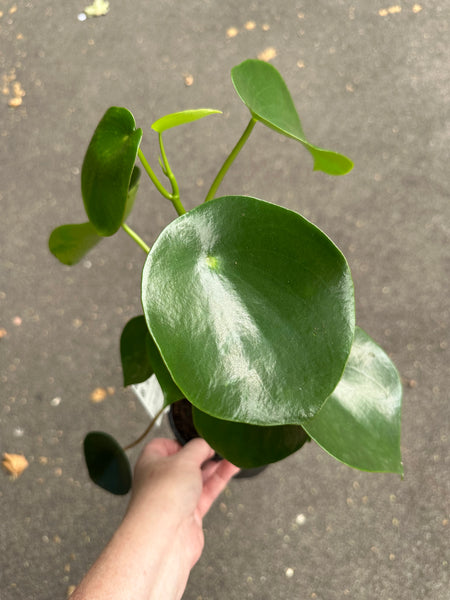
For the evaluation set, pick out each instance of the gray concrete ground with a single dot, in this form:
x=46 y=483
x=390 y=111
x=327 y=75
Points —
x=371 y=80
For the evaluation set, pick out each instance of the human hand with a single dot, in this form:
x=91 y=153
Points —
x=180 y=483
x=161 y=538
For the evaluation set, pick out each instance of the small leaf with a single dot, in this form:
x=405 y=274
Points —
x=249 y=446
x=70 y=243
x=182 y=117
x=170 y=390
x=360 y=422
x=132 y=191
x=107 y=463
x=264 y=92
x=107 y=169
x=136 y=365
x=141 y=357
x=252 y=310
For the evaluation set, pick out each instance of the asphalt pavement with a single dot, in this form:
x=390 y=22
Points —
x=370 y=80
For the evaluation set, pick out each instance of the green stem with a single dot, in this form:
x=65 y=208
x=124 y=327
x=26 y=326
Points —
x=149 y=428
x=227 y=164
x=161 y=189
x=133 y=235
x=175 y=196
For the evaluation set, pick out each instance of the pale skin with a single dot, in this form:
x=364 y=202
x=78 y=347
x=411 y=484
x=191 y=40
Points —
x=160 y=538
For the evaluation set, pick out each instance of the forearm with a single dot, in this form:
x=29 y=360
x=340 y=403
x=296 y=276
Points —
x=143 y=561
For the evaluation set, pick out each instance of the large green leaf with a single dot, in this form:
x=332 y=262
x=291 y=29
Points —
x=140 y=358
x=107 y=463
x=264 y=92
x=69 y=243
x=107 y=169
x=360 y=422
x=252 y=309
x=182 y=117
x=249 y=446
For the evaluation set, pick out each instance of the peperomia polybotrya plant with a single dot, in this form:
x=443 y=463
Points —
x=248 y=307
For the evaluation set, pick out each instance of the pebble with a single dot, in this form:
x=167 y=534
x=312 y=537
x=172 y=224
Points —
x=289 y=572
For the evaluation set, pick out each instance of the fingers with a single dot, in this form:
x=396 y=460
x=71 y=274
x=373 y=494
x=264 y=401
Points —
x=161 y=447
x=216 y=483
x=209 y=468
x=197 y=451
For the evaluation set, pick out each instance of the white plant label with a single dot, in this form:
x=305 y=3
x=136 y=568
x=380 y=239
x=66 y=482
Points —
x=150 y=395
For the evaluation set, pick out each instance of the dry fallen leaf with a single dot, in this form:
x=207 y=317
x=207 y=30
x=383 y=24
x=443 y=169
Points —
x=267 y=54
x=232 y=32
x=188 y=80
x=15 y=102
x=97 y=9
x=15 y=464
x=98 y=395
x=391 y=10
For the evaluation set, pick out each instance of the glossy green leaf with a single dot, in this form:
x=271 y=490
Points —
x=360 y=422
x=249 y=446
x=107 y=169
x=107 y=463
x=252 y=309
x=132 y=192
x=264 y=92
x=170 y=390
x=69 y=243
x=182 y=117
x=141 y=358
x=134 y=354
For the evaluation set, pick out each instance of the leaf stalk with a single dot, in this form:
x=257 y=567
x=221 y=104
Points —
x=147 y=431
x=134 y=236
x=229 y=161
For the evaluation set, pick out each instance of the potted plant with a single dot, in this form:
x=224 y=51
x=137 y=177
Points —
x=248 y=308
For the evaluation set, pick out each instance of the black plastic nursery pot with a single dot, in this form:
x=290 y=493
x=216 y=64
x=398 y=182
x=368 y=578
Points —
x=182 y=425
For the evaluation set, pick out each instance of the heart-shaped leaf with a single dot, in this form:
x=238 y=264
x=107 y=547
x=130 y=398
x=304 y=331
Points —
x=360 y=422
x=249 y=446
x=252 y=309
x=107 y=463
x=182 y=117
x=140 y=358
x=264 y=92
x=107 y=169
x=69 y=243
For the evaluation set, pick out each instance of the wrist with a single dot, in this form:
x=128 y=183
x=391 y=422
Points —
x=157 y=548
